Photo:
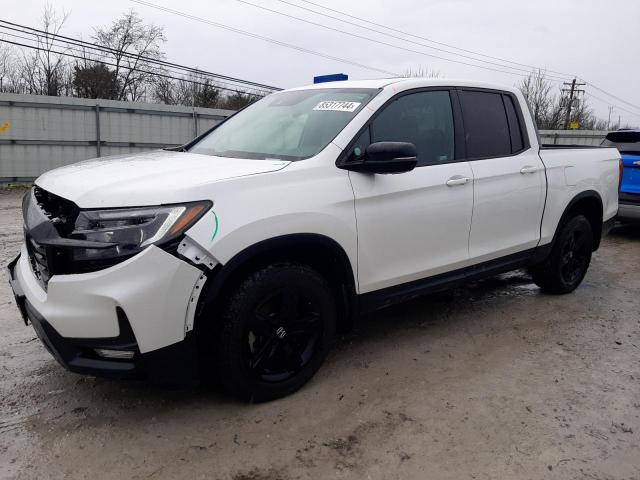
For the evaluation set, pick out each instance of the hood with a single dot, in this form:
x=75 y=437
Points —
x=149 y=178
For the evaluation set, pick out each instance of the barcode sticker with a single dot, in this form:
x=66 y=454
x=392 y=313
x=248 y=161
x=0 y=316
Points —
x=337 y=106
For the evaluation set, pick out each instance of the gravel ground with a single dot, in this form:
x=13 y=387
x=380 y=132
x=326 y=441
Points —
x=495 y=380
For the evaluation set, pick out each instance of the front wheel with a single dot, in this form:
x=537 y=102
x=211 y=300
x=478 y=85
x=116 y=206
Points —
x=276 y=330
x=569 y=259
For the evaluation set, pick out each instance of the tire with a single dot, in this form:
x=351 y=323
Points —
x=567 y=264
x=276 y=331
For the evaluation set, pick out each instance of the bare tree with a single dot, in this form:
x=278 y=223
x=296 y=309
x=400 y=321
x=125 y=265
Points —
x=9 y=70
x=164 y=91
x=238 y=100
x=43 y=69
x=197 y=89
x=422 y=72
x=130 y=42
x=542 y=102
x=549 y=108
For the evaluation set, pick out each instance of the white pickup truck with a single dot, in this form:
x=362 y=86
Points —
x=240 y=254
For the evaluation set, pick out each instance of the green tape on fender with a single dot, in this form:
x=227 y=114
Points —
x=215 y=228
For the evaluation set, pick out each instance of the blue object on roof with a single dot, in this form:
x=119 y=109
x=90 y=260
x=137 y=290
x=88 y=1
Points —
x=335 y=77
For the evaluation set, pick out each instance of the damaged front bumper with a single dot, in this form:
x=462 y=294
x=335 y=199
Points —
x=126 y=321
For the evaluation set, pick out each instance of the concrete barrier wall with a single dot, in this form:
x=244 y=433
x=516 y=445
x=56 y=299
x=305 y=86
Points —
x=39 y=133
x=572 y=137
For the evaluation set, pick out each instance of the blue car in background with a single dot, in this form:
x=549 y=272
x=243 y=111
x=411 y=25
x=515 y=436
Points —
x=628 y=144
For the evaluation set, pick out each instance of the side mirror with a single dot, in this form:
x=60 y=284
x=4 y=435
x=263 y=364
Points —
x=386 y=157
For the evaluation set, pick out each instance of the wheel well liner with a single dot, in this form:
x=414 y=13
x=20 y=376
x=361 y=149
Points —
x=317 y=251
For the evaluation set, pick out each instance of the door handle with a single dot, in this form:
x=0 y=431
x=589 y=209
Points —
x=528 y=169
x=457 y=180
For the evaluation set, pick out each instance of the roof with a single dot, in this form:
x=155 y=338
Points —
x=406 y=83
x=373 y=83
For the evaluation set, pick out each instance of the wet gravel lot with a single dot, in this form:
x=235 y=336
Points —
x=494 y=380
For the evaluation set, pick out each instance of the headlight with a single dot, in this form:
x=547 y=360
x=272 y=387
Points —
x=133 y=229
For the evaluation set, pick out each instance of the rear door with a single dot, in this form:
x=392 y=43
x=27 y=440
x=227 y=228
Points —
x=415 y=224
x=509 y=177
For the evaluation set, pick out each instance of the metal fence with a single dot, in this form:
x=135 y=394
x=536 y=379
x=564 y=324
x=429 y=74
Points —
x=39 y=133
x=572 y=137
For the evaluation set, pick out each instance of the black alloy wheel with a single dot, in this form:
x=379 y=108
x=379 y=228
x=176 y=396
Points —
x=283 y=335
x=575 y=255
x=276 y=330
x=567 y=264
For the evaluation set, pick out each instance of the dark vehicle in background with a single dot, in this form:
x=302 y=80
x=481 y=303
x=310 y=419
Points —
x=628 y=144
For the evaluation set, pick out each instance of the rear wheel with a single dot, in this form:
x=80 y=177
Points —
x=569 y=259
x=276 y=330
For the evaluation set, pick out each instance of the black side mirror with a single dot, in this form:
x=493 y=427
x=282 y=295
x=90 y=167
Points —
x=386 y=157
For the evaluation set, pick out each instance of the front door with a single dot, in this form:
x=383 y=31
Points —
x=415 y=224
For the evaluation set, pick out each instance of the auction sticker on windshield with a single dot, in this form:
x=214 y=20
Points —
x=337 y=106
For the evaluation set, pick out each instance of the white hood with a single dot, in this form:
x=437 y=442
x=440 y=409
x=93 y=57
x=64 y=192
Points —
x=149 y=178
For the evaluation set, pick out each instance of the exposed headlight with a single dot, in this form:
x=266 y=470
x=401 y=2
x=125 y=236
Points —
x=133 y=229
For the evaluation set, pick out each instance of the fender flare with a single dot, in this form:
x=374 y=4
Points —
x=543 y=251
x=228 y=273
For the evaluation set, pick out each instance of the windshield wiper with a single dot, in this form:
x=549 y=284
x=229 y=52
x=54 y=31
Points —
x=175 y=149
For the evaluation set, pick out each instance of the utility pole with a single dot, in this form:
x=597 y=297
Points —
x=572 y=92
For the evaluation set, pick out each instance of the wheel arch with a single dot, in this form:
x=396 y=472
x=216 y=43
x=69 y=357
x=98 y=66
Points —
x=318 y=251
x=588 y=203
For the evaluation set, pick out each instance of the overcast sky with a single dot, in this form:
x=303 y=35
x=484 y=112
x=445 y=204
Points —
x=595 y=39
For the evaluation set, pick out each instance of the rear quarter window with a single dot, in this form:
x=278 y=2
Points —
x=515 y=129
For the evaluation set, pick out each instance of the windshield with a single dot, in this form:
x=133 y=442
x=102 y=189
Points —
x=287 y=126
x=625 y=141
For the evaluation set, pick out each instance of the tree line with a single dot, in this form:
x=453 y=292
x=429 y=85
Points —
x=549 y=105
x=122 y=64
x=123 y=67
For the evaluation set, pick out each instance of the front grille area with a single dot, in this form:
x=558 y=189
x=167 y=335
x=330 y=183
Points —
x=38 y=261
x=54 y=248
x=46 y=261
x=47 y=255
x=62 y=212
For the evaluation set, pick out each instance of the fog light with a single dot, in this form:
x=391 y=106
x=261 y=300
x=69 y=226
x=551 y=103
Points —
x=104 y=352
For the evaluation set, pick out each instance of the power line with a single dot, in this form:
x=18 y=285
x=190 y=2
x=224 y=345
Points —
x=411 y=35
x=55 y=43
x=547 y=71
x=157 y=74
x=83 y=43
x=65 y=45
x=263 y=38
x=166 y=64
x=606 y=102
x=399 y=47
x=611 y=95
x=527 y=70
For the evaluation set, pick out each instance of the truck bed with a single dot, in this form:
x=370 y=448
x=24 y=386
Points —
x=549 y=146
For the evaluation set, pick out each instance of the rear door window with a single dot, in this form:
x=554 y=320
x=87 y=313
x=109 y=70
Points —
x=485 y=124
